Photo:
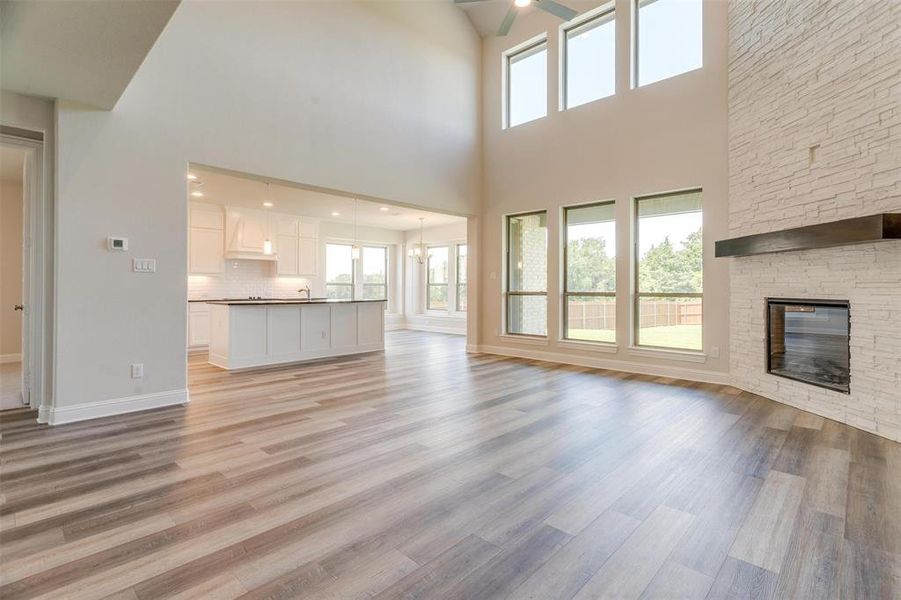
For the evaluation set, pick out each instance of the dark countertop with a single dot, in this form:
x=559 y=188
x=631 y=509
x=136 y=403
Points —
x=276 y=302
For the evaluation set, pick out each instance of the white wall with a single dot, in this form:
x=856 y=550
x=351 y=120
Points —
x=665 y=136
x=10 y=268
x=374 y=99
x=795 y=85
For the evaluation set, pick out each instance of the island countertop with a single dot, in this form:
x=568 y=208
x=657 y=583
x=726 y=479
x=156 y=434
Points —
x=277 y=302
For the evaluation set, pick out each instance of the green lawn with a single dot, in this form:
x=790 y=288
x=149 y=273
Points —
x=687 y=337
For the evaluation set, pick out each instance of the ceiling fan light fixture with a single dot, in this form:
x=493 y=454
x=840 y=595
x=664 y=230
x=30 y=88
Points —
x=522 y=3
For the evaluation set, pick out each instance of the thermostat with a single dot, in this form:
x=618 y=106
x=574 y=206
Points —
x=117 y=243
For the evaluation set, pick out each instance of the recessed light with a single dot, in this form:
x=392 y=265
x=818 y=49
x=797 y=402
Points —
x=197 y=194
x=384 y=209
x=336 y=214
x=192 y=176
x=267 y=204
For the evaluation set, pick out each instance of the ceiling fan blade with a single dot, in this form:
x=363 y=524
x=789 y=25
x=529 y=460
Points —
x=556 y=9
x=508 y=21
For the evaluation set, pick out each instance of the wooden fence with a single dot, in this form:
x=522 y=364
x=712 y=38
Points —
x=602 y=315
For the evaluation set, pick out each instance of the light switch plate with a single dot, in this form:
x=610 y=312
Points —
x=144 y=265
x=137 y=370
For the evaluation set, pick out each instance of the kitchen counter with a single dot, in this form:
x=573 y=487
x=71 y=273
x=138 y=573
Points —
x=254 y=333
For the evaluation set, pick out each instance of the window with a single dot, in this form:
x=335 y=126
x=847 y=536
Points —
x=339 y=271
x=669 y=275
x=589 y=68
x=526 y=75
x=375 y=273
x=461 y=277
x=526 y=300
x=668 y=38
x=436 y=278
x=589 y=284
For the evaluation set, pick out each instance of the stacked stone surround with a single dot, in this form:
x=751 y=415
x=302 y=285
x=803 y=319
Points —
x=815 y=136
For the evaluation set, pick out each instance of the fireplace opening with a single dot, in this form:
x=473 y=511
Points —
x=809 y=341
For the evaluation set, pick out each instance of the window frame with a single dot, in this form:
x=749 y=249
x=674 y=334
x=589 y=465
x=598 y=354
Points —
x=363 y=284
x=353 y=270
x=457 y=283
x=566 y=294
x=638 y=294
x=582 y=21
x=508 y=293
x=636 y=32
x=428 y=281
x=523 y=50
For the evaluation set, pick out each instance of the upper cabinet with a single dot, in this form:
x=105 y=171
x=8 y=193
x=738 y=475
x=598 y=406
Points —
x=206 y=239
x=297 y=241
x=246 y=232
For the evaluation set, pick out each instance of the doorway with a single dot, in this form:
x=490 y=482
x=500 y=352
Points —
x=12 y=206
x=25 y=272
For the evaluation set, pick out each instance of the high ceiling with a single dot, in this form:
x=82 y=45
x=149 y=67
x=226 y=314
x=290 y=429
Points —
x=233 y=190
x=12 y=161
x=486 y=16
x=86 y=51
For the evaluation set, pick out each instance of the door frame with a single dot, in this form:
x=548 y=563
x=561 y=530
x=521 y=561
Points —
x=36 y=221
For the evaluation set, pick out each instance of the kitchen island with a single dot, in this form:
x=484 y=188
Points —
x=255 y=333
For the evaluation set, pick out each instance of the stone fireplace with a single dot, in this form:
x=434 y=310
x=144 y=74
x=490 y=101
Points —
x=815 y=137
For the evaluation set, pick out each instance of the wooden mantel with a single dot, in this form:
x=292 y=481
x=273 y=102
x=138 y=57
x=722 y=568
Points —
x=859 y=230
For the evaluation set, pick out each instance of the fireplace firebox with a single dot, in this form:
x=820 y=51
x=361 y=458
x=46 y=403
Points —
x=809 y=341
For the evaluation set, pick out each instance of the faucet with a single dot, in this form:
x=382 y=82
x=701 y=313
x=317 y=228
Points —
x=306 y=289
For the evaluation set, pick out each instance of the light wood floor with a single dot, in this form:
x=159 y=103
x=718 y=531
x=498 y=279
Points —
x=428 y=473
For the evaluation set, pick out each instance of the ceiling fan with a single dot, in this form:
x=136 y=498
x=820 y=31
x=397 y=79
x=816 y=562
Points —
x=555 y=8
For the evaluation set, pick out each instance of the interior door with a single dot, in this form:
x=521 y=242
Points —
x=25 y=305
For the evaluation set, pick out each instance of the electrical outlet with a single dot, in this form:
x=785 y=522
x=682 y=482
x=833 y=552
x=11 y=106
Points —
x=137 y=370
x=144 y=265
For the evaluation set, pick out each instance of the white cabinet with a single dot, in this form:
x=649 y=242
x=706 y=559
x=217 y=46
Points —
x=206 y=239
x=297 y=244
x=246 y=232
x=288 y=250
x=198 y=324
x=309 y=257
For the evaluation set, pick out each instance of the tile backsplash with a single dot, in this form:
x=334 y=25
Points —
x=245 y=278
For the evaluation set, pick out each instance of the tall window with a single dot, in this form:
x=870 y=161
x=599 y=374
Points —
x=526 y=84
x=436 y=278
x=461 y=277
x=589 y=285
x=527 y=274
x=339 y=271
x=375 y=273
x=668 y=38
x=589 y=52
x=670 y=273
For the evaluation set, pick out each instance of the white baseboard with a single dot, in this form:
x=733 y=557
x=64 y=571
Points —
x=10 y=358
x=59 y=415
x=675 y=372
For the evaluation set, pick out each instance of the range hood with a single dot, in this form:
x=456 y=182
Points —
x=858 y=230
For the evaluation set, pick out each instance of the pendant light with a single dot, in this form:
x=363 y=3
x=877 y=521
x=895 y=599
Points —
x=355 y=249
x=418 y=250
x=267 y=243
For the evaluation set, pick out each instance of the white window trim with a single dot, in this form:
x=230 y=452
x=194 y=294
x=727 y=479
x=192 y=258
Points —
x=607 y=7
x=358 y=265
x=505 y=75
x=451 y=311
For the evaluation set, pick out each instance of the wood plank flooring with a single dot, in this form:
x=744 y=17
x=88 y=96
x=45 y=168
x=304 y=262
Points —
x=425 y=472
